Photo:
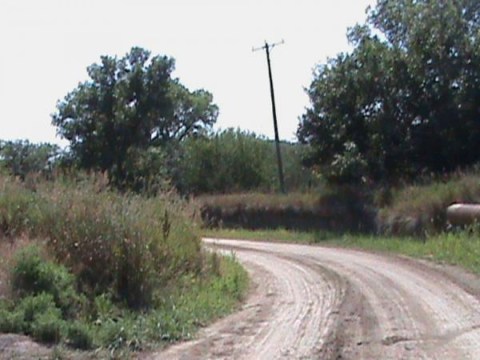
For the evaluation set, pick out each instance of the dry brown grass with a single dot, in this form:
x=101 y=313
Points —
x=338 y=210
x=420 y=209
x=260 y=200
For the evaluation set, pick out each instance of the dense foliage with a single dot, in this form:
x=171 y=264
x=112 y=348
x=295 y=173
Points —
x=127 y=107
x=91 y=267
x=22 y=157
x=221 y=162
x=227 y=161
x=102 y=235
x=237 y=161
x=405 y=100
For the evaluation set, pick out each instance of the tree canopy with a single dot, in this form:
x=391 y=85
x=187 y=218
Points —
x=127 y=106
x=406 y=100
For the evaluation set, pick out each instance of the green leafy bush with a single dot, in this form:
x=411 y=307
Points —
x=119 y=334
x=228 y=161
x=34 y=305
x=80 y=335
x=48 y=326
x=32 y=275
x=11 y=321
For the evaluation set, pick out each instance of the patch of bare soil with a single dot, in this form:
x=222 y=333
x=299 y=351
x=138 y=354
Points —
x=20 y=347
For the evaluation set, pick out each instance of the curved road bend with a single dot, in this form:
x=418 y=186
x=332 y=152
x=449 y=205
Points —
x=310 y=302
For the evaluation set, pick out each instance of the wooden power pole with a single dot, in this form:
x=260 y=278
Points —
x=267 y=47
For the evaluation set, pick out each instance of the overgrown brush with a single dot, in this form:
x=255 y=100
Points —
x=98 y=257
x=340 y=209
x=421 y=209
x=260 y=200
x=16 y=205
x=109 y=241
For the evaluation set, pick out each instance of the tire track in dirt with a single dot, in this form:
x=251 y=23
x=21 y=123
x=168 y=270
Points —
x=310 y=302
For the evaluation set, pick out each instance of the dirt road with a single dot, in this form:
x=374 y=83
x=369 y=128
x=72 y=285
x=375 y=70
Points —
x=312 y=302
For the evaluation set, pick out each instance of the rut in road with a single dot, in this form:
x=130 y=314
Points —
x=310 y=302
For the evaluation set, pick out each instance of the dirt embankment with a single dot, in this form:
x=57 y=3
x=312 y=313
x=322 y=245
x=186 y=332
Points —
x=327 y=303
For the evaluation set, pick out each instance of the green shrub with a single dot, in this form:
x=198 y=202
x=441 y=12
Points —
x=48 y=326
x=236 y=161
x=230 y=160
x=116 y=334
x=11 y=321
x=104 y=308
x=32 y=275
x=34 y=305
x=80 y=335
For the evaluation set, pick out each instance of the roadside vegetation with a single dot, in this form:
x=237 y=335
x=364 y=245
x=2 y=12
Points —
x=409 y=220
x=235 y=161
x=91 y=268
x=337 y=209
x=421 y=209
x=388 y=141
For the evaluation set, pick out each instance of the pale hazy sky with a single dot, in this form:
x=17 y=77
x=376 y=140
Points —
x=47 y=45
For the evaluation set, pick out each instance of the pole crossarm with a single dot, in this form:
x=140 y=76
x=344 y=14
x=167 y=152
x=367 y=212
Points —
x=267 y=45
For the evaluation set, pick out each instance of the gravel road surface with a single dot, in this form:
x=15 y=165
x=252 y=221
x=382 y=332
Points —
x=311 y=302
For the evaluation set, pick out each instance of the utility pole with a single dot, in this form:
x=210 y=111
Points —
x=267 y=47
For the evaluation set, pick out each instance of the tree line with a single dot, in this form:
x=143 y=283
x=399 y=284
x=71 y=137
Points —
x=133 y=121
x=224 y=161
x=404 y=101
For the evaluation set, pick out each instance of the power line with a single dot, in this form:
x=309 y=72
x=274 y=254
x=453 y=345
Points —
x=267 y=47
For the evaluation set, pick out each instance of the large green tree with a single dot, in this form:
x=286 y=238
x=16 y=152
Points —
x=405 y=100
x=128 y=106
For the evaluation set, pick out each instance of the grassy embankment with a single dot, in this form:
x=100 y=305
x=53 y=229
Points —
x=416 y=210
x=89 y=268
x=326 y=210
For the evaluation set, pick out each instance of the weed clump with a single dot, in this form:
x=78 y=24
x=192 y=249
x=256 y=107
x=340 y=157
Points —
x=48 y=326
x=33 y=275
x=80 y=335
x=11 y=321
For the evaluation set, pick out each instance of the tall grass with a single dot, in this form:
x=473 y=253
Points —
x=339 y=209
x=260 y=200
x=104 y=256
x=420 y=209
x=455 y=248
x=110 y=241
